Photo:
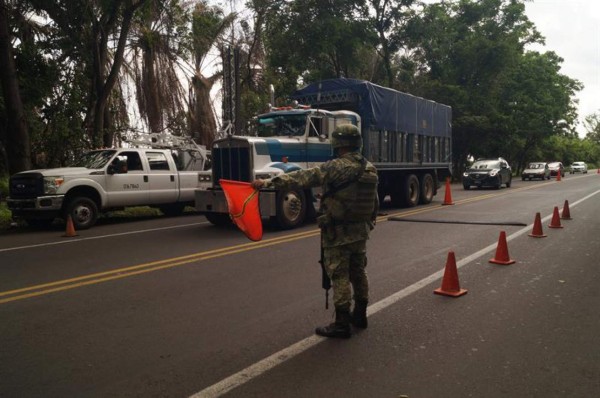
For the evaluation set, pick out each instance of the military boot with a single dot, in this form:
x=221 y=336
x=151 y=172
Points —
x=359 y=314
x=340 y=328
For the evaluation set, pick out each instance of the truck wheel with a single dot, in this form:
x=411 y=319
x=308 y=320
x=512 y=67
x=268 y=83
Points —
x=381 y=193
x=218 y=219
x=407 y=193
x=427 y=188
x=83 y=212
x=291 y=208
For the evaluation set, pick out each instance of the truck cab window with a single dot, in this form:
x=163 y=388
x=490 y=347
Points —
x=290 y=125
x=157 y=160
x=134 y=162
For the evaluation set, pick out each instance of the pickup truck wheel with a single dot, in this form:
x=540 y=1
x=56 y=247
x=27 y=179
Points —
x=291 y=208
x=427 y=188
x=83 y=212
x=218 y=219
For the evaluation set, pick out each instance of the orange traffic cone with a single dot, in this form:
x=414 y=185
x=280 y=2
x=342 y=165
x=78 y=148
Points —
x=555 y=223
x=537 y=227
x=502 y=256
x=448 y=196
x=70 y=231
x=566 y=213
x=450 y=286
x=558 y=176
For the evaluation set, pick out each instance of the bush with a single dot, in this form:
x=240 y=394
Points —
x=3 y=188
x=5 y=216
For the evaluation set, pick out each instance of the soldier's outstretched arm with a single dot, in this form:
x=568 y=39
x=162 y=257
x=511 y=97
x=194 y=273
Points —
x=299 y=179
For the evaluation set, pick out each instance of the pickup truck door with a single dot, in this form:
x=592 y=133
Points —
x=163 y=178
x=129 y=185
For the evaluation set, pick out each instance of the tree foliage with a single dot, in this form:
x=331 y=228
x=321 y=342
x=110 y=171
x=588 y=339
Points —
x=88 y=70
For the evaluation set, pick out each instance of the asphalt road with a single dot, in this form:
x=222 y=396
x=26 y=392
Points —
x=174 y=307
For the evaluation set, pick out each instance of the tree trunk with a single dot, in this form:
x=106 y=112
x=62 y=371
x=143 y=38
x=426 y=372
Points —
x=17 y=135
x=203 y=125
x=104 y=85
x=152 y=100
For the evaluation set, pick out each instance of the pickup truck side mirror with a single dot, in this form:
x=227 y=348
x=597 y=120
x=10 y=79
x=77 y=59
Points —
x=322 y=137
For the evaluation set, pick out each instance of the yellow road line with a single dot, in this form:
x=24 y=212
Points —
x=120 y=273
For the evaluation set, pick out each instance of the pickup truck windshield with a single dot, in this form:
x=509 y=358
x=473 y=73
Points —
x=95 y=159
x=289 y=125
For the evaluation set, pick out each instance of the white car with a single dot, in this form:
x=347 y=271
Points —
x=579 y=167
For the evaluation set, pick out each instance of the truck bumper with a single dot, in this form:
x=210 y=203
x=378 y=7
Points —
x=40 y=207
x=213 y=201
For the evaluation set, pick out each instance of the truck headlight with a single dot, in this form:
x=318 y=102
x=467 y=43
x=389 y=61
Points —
x=51 y=184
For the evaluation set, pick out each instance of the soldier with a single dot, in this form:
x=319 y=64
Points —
x=349 y=206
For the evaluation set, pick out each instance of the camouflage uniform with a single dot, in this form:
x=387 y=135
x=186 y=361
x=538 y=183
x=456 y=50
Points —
x=344 y=232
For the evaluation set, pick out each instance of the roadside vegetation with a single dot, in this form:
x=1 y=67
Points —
x=5 y=216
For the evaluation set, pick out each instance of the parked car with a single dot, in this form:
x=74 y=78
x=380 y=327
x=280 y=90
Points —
x=555 y=168
x=536 y=170
x=579 y=167
x=488 y=172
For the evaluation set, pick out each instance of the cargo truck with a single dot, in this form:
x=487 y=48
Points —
x=408 y=139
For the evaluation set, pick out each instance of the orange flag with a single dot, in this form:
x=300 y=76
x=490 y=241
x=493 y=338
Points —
x=242 y=201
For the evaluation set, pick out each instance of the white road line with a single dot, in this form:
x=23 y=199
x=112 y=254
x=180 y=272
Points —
x=290 y=352
x=62 y=242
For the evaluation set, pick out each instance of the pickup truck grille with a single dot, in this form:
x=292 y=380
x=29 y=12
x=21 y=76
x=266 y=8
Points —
x=26 y=185
x=231 y=160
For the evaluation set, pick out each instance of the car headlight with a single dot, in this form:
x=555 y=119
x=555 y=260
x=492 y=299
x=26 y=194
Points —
x=51 y=184
x=494 y=172
x=465 y=174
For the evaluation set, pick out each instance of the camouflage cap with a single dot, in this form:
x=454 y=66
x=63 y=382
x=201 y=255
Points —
x=346 y=135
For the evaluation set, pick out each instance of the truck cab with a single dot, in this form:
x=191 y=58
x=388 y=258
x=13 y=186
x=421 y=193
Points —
x=280 y=141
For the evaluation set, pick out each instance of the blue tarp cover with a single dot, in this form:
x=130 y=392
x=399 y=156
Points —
x=380 y=108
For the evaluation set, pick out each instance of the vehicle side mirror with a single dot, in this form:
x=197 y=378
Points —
x=119 y=167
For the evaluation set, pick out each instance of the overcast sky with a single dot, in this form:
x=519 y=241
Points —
x=572 y=30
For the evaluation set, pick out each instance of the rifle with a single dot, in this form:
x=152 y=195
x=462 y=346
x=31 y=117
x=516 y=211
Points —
x=325 y=280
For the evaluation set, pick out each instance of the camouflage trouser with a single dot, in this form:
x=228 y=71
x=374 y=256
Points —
x=345 y=266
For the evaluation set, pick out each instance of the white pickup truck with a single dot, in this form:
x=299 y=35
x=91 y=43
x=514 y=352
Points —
x=109 y=179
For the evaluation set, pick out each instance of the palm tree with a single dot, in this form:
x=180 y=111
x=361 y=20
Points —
x=154 y=64
x=209 y=26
